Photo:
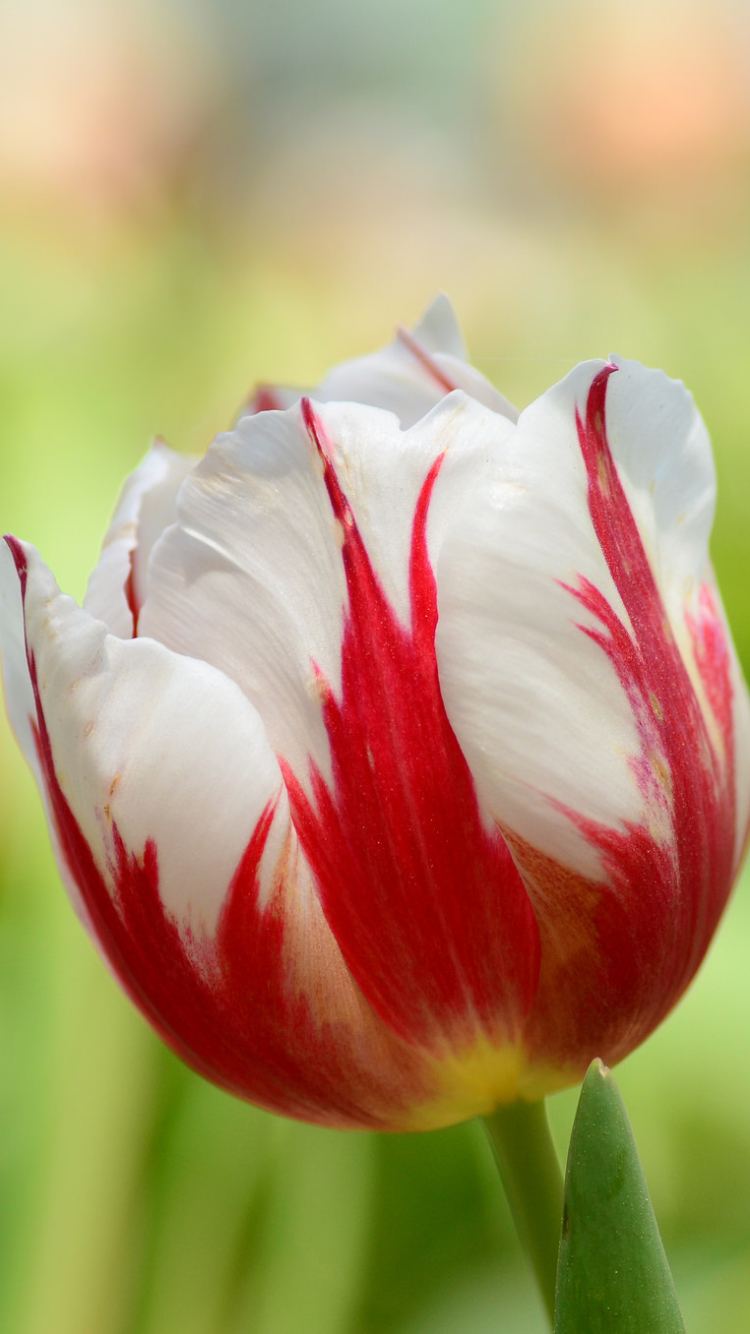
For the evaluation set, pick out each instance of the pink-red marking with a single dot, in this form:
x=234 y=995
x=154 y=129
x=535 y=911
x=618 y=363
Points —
x=131 y=597
x=427 y=362
x=425 y=902
x=265 y=399
x=225 y=1006
x=664 y=891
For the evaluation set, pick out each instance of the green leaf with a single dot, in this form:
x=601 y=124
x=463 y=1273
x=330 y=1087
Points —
x=613 y=1275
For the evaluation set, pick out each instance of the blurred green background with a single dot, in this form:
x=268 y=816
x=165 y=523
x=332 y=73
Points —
x=203 y=194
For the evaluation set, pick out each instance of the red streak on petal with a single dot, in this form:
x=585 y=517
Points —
x=131 y=598
x=19 y=560
x=712 y=658
x=265 y=399
x=425 y=360
x=425 y=902
x=667 y=885
x=225 y=1006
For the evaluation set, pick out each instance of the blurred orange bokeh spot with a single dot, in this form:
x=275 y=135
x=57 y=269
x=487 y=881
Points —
x=622 y=96
x=99 y=105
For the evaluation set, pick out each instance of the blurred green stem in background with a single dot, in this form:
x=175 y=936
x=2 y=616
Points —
x=530 y=1172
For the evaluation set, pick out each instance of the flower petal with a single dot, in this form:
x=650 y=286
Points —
x=127 y=720
x=665 y=463
x=597 y=720
x=171 y=826
x=538 y=709
x=408 y=377
x=146 y=507
x=19 y=694
x=302 y=566
x=252 y=578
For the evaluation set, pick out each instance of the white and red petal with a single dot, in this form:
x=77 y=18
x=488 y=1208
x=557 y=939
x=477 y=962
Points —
x=396 y=839
x=160 y=747
x=117 y=585
x=408 y=377
x=19 y=693
x=171 y=826
x=302 y=566
x=563 y=677
x=538 y=708
x=252 y=578
x=665 y=464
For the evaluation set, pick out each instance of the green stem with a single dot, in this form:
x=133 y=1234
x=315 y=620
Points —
x=529 y=1170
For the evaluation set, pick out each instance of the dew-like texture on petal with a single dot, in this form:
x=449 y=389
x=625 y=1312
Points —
x=147 y=505
x=408 y=377
x=252 y=578
x=616 y=786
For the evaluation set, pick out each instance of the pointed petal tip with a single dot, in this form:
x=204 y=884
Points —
x=18 y=554
x=315 y=429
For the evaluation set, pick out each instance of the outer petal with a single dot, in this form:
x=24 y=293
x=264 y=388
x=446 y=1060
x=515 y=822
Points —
x=147 y=506
x=253 y=577
x=598 y=714
x=408 y=377
x=171 y=826
x=665 y=464
x=535 y=703
x=302 y=566
x=128 y=720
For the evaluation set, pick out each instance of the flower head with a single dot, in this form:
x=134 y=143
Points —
x=397 y=761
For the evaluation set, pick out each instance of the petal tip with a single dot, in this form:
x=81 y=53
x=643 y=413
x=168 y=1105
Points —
x=19 y=555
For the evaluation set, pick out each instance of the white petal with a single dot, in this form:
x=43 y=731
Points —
x=145 y=508
x=407 y=377
x=438 y=330
x=535 y=702
x=165 y=748
x=664 y=460
x=19 y=695
x=252 y=578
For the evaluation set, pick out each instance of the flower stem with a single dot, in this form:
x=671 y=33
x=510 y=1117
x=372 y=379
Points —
x=529 y=1170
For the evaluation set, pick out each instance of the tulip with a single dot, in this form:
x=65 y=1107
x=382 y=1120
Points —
x=397 y=760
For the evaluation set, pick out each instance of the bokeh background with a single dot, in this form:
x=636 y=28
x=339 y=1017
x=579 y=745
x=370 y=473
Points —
x=199 y=194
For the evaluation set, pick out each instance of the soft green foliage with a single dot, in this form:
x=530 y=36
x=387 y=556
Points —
x=613 y=1276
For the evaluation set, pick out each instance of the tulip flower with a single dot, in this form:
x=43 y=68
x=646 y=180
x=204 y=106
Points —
x=397 y=761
